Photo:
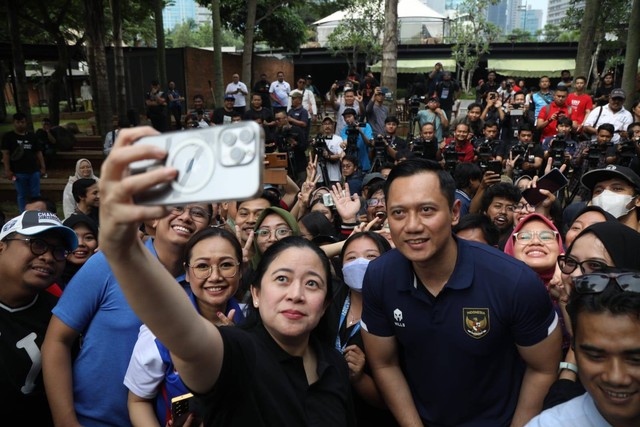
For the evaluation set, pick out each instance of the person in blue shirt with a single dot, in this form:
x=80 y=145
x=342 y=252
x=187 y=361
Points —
x=456 y=332
x=359 y=134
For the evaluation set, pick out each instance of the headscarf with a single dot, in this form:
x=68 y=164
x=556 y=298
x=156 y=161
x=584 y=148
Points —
x=621 y=241
x=288 y=218
x=592 y=208
x=509 y=246
x=74 y=178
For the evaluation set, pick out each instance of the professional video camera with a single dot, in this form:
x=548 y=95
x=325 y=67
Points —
x=199 y=119
x=627 y=151
x=485 y=147
x=595 y=151
x=414 y=104
x=519 y=154
x=424 y=148
x=557 y=148
x=451 y=157
x=320 y=145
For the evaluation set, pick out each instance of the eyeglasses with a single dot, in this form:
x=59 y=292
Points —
x=595 y=283
x=280 y=233
x=568 y=265
x=524 y=206
x=545 y=236
x=226 y=269
x=375 y=202
x=40 y=247
x=196 y=213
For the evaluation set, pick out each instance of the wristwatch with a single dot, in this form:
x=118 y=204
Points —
x=570 y=366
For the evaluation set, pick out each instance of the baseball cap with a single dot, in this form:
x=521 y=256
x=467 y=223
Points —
x=433 y=98
x=32 y=223
x=309 y=77
x=349 y=111
x=617 y=93
x=591 y=178
x=79 y=218
x=328 y=118
x=370 y=177
x=296 y=94
x=229 y=97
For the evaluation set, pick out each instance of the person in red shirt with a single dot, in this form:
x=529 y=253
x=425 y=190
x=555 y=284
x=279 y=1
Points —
x=580 y=102
x=462 y=143
x=549 y=115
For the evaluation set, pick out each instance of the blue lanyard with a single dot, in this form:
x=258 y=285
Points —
x=343 y=316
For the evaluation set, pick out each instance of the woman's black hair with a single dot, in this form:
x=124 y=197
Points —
x=322 y=331
x=382 y=243
x=337 y=220
x=210 y=232
x=318 y=225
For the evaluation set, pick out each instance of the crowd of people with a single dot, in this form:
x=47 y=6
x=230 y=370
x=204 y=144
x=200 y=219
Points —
x=389 y=282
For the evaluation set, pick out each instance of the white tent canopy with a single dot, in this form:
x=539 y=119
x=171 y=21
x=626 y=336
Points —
x=416 y=22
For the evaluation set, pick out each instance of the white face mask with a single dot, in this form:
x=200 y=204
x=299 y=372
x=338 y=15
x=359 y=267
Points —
x=615 y=204
x=353 y=273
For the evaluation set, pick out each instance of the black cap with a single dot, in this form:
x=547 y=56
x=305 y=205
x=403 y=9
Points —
x=591 y=178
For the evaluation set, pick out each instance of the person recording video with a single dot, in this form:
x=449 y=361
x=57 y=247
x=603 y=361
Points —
x=357 y=139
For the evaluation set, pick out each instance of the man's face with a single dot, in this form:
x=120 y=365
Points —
x=579 y=84
x=634 y=132
x=563 y=129
x=281 y=119
x=432 y=104
x=519 y=98
x=490 y=132
x=616 y=185
x=385 y=172
x=235 y=78
x=20 y=126
x=461 y=133
x=228 y=104
x=296 y=101
x=327 y=127
x=247 y=215
x=172 y=85
x=565 y=75
x=177 y=229
x=349 y=119
x=491 y=77
x=525 y=136
x=348 y=168
x=197 y=103
x=256 y=102
x=420 y=220
x=390 y=128
x=615 y=104
x=92 y=199
x=21 y=269
x=349 y=98
x=474 y=114
x=302 y=83
x=607 y=349
x=280 y=77
x=500 y=212
x=544 y=83
x=560 y=98
x=604 y=136
x=379 y=200
x=46 y=125
x=428 y=132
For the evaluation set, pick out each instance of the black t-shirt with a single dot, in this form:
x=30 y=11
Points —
x=155 y=110
x=296 y=133
x=29 y=145
x=262 y=385
x=222 y=116
x=446 y=92
x=22 y=332
x=265 y=114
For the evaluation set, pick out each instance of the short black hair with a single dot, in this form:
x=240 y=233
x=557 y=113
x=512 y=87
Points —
x=392 y=119
x=417 y=166
x=525 y=127
x=632 y=125
x=155 y=83
x=608 y=127
x=489 y=124
x=474 y=105
x=19 y=116
x=465 y=173
x=490 y=232
x=564 y=120
x=198 y=96
x=51 y=206
x=501 y=189
x=79 y=188
x=562 y=88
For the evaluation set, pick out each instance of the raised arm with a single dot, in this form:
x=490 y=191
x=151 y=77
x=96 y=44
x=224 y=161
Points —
x=195 y=344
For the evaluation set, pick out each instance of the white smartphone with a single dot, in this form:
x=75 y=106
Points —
x=216 y=164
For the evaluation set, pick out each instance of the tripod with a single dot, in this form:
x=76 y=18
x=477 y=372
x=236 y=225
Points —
x=322 y=163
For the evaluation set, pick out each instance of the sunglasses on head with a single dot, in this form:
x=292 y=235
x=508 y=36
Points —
x=595 y=283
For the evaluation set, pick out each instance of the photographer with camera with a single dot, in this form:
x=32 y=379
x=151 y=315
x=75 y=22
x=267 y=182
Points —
x=530 y=152
x=327 y=148
x=551 y=113
x=376 y=112
x=290 y=140
x=199 y=116
x=489 y=147
x=560 y=146
x=633 y=135
x=432 y=113
x=389 y=141
x=494 y=109
x=447 y=90
x=592 y=155
x=517 y=113
x=357 y=139
x=258 y=113
x=458 y=149
x=349 y=101
x=425 y=146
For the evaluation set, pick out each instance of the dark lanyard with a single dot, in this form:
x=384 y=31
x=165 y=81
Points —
x=343 y=316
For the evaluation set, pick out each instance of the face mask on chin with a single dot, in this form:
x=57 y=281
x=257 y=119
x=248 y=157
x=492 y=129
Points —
x=617 y=205
x=353 y=273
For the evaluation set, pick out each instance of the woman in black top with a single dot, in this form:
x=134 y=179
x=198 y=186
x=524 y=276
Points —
x=605 y=87
x=278 y=372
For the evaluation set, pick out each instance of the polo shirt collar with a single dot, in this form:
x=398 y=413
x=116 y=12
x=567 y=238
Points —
x=149 y=244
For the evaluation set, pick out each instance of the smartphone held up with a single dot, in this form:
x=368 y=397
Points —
x=215 y=164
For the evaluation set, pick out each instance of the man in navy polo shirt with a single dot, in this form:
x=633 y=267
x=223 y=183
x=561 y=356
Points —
x=456 y=332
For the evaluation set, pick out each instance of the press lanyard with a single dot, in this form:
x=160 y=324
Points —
x=343 y=316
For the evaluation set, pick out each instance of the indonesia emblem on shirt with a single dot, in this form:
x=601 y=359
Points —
x=476 y=321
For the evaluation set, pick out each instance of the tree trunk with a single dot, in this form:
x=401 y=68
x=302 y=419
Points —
x=631 y=57
x=247 y=50
x=118 y=59
x=161 y=55
x=94 y=19
x=390 y=47
x=218 y=80
x=587 y=37
x=55 y=84
x=22 y=95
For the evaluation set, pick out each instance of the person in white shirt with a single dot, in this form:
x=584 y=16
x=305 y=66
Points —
x=279 y=92
x=239 y=91
x=613 y=113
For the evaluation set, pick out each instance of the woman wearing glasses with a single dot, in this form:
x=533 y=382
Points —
x=212 y=264
x=601 y=246
x=272 y=225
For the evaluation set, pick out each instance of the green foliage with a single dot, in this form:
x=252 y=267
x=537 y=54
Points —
x=359 y=32
x=189 y=34
x=613 y=18
x=519 y=35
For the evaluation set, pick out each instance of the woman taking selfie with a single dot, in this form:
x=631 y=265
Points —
x=277 y=372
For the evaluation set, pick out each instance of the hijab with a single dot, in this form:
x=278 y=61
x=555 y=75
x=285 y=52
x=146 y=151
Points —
x=77 y=175
x=509 y=246
x=288 y=218
x=621 y=241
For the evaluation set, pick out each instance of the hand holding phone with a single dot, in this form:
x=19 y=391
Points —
x=552 y=182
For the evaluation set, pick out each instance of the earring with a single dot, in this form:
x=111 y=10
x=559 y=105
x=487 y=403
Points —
x=255 y=304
